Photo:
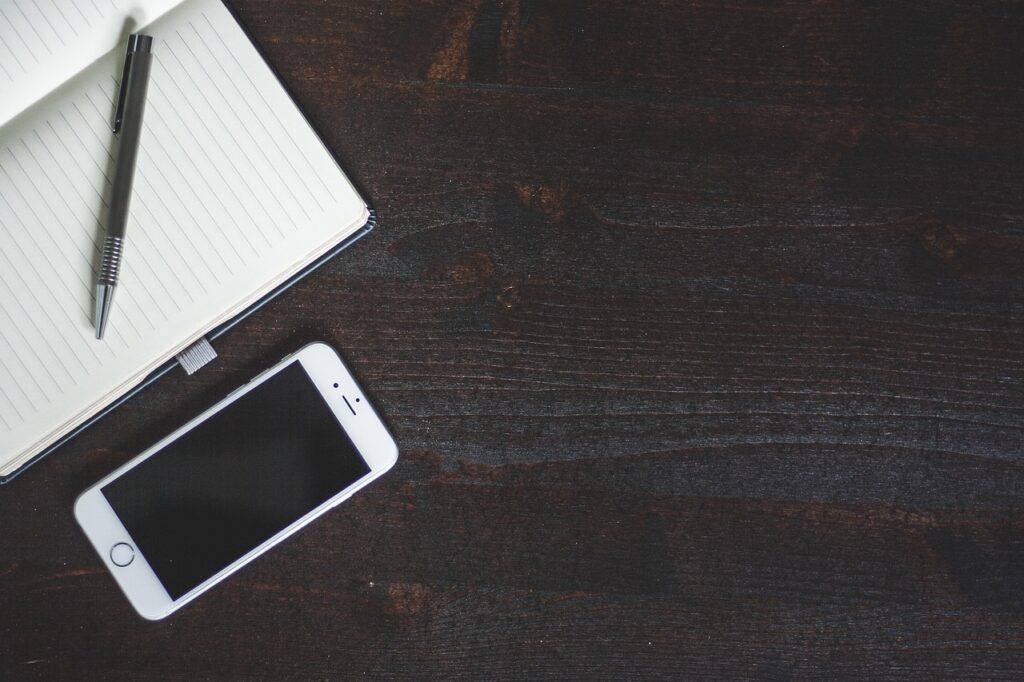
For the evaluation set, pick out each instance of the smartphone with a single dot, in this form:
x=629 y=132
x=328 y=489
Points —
x=275 y=454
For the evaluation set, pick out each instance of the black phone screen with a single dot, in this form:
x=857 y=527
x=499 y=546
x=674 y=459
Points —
x=235 y=480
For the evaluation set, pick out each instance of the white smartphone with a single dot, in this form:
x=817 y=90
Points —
x=275 y=454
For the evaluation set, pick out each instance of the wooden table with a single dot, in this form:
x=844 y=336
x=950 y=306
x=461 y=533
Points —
x=700 y=327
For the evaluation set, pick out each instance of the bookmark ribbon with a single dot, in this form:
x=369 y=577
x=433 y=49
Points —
x=196 y=356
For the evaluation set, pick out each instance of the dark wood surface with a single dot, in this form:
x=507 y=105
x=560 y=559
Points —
x=700 y=328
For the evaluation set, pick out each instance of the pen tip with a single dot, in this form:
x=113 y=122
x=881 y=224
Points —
x=104 y=299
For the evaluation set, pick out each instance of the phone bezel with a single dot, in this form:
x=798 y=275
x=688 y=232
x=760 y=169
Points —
x=368 y=432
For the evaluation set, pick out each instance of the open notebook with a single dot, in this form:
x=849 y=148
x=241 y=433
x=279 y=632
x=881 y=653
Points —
x=234 y=195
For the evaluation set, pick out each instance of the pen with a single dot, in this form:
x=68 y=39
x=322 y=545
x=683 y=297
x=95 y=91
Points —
x=131 y=102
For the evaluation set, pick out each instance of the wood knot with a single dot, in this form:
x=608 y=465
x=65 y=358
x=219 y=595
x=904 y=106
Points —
x=473 y=268
x=941 y=242
x=968 y=252
x=511 y=295
x=480 y=33
x=544 y=199
x=408 y=598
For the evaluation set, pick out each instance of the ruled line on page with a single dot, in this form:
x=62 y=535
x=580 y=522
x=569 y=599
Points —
x=156 y=134
x=216 y=113
x=208 y=182
x=204 y=125
x=163 y=107
x=14 y=381
x=260 y=145
x=151 y=189
x=23 y=294
x=64 y=17
x=78 y=10
x=15 y=42
x=30 y=258
x=32 y=25
x=14 y=323
x=87 y=282
x=168 y=242
x=94 y=217
x=3 y=391
x=39 y=362
x=166 y=185
x=281 y=127
x=49 y=22
x=91 y=259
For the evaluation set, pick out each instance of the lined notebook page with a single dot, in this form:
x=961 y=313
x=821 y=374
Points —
x=45 y=42
x=233 y=194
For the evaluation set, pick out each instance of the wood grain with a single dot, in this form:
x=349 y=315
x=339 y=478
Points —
x=699 y=325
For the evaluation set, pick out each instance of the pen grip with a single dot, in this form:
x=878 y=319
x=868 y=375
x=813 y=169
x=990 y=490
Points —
x=110 y=262
x=128 y=143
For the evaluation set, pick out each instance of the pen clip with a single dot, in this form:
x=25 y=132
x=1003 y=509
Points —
x=137 y=42
x=122 y=94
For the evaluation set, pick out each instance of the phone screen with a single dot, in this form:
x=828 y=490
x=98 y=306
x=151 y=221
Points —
x=235 y=480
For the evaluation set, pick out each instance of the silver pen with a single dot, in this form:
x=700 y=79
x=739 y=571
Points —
x=131 y=103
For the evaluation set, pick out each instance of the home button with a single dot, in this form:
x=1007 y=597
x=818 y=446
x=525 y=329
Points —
x=122 y=554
